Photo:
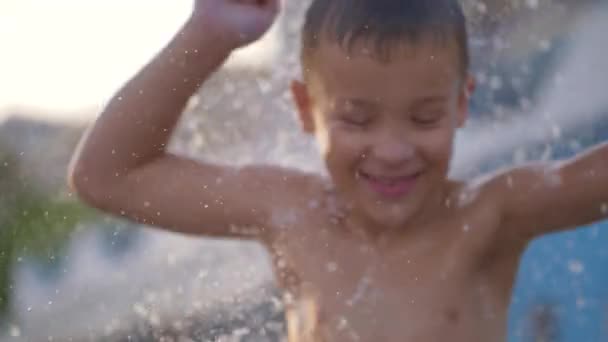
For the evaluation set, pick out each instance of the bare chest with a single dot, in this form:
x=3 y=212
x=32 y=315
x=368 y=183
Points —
x=345 y=289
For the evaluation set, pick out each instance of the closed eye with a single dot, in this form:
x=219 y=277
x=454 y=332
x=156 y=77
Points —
x=356 y=121
x=428 y=119
x=355 y=112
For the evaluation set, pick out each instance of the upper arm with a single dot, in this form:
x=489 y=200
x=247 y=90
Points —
x=544 y=198
x=185 y=196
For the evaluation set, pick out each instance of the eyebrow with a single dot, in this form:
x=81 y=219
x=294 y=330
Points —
x=370 y=104
x=357 y=102
x=430 y=100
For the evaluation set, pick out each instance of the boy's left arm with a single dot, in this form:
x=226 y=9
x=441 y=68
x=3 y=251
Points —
x=548 y=197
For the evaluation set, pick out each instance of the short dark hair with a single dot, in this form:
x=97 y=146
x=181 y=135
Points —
x=385 y=24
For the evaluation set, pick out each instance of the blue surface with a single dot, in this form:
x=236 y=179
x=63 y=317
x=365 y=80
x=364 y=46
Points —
x=550 y=273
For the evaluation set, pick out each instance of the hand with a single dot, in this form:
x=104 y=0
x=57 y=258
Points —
x=241 y=22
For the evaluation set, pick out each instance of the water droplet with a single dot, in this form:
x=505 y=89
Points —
x=342 y=323
x=576 y=266
x=14 y=331
x=544 y=44
x=496 y=83
x=313 y=204
x=532 y=4
x=171 y=259
x=556 y=131
x=581 y=303
x=332 y=267
x=202 y=274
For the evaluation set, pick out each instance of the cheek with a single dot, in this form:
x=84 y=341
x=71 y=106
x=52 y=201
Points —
x=343 y=147
x=436 y=146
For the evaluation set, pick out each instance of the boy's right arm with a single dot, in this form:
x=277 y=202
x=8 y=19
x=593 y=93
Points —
x=122 y=166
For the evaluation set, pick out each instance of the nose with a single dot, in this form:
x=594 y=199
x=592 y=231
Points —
x=392 y=147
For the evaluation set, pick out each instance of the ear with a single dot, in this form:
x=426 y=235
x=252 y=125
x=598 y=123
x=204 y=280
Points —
x=466 y=92
x=301 y=96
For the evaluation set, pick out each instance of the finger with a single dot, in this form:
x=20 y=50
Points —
x=273 y=5
x=248 y=2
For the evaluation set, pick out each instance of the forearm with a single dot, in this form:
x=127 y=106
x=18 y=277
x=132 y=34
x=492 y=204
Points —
x=137 y=124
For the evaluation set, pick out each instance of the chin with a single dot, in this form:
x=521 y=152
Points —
x=391 y=215
x=391 y=211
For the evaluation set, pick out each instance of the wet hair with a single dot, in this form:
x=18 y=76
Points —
x=384 y=25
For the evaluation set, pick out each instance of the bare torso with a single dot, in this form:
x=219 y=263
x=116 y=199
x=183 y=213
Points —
x=439 y=283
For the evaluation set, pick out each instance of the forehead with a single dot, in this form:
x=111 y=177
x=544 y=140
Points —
x=413 y=71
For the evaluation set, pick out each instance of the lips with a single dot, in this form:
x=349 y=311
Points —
x=391 y=187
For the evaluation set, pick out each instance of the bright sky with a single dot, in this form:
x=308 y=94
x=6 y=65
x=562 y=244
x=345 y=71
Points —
x=65 y=55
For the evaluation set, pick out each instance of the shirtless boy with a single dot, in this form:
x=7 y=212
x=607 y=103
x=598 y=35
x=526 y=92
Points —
x=386 y=248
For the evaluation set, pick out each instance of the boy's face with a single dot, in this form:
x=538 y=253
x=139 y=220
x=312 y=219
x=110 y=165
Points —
x=386 y=130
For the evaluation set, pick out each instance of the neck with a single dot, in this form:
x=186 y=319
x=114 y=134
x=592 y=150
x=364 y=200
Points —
x=434 y=206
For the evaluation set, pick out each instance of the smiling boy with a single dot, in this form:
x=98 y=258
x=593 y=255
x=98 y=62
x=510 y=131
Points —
x=387 y=248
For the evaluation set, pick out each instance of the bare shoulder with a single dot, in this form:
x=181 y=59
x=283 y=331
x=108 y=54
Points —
x=475 y=196
x=475 y=204
x=485 y=192
x=499 y=252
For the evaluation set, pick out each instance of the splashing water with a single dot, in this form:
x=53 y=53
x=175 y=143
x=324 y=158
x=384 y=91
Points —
x=230 y=123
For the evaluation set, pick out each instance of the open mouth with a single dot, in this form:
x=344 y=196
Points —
x=390 y=186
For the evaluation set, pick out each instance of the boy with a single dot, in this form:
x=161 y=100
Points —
x=387 y=248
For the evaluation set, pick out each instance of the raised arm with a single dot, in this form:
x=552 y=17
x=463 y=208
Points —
x=122 y=165
x=545 y=198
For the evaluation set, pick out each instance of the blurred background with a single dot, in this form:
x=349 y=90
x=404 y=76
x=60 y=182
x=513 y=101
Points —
x=68 y=273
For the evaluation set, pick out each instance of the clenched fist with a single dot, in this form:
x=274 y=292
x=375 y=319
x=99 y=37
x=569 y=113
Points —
x=240 y=22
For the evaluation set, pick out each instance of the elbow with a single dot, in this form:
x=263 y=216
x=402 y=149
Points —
x=79 y=176
x=77 y=181
x=89 y=187
x=80 y=184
